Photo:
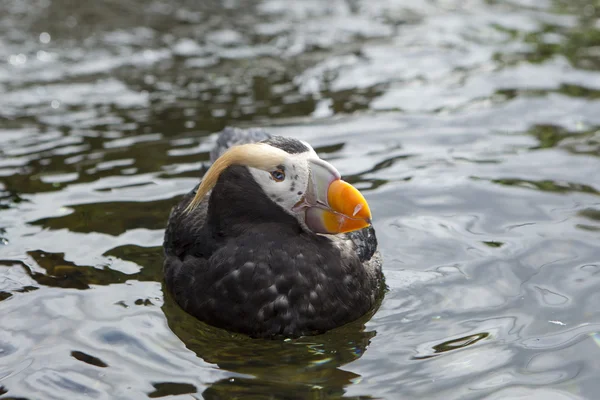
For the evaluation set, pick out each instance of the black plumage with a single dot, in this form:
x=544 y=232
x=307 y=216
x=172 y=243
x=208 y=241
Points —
x=289 y=145
x=235 y=136
x=240 y=262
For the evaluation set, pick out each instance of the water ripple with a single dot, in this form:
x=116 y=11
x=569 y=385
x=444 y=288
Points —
x=471 y=126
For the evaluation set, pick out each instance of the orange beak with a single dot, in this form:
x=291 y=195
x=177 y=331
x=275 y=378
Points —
x=331 y=205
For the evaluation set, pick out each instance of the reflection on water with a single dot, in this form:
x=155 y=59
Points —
x=294 y=368
x=455 y=344
x=471 y=126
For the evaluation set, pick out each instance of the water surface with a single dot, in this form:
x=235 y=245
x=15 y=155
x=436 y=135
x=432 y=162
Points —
x=472 y=126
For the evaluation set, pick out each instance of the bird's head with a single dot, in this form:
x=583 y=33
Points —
x=293 y=176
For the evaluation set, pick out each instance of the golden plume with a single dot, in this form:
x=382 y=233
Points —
x=256 y=155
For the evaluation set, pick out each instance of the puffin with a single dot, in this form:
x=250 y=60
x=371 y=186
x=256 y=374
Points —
x=272 y=242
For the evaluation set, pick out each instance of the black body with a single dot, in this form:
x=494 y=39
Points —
x=240 y=262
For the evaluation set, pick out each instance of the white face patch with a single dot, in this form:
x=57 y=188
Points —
x=311 y=151
x=288 y=192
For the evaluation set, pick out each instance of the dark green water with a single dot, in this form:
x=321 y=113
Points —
x=473 y=128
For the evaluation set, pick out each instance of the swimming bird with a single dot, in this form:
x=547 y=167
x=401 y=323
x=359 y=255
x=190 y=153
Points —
x=272 y=242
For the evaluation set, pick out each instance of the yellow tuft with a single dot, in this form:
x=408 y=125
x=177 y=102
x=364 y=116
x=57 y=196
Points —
x=255 y=155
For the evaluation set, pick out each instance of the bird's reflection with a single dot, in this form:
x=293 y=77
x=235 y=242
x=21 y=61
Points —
x=291 y=368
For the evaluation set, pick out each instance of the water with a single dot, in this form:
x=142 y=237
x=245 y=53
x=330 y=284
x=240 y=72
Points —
x=473 y=128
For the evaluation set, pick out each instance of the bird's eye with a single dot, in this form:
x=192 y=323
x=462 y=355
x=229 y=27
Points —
x=278 y=175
